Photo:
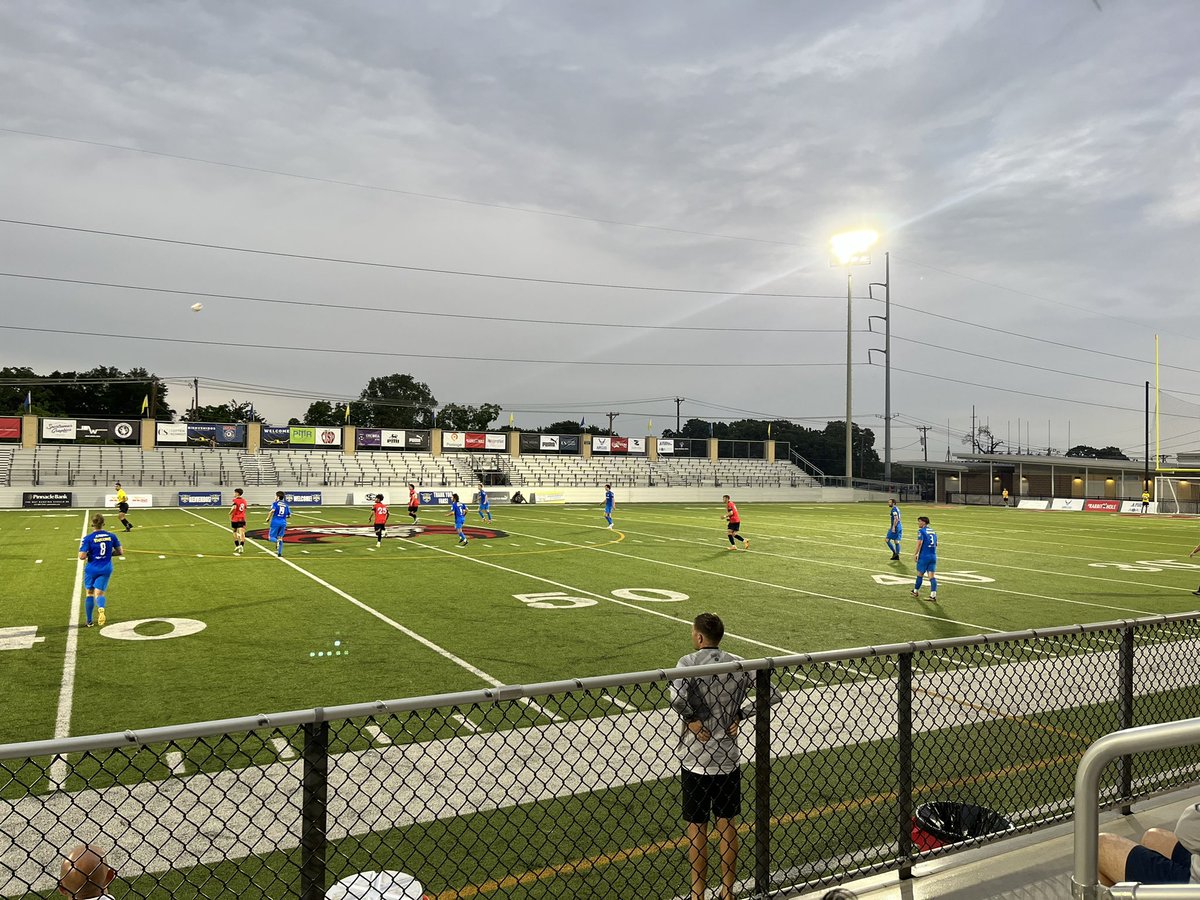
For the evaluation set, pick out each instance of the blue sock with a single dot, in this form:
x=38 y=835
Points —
x=91 y=604
x=933 y=585
x=279 y=548
x=917 y=586
x=608 y=518
x=100 y=601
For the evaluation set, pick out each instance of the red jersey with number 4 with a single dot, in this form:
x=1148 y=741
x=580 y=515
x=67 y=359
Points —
x=237 y=512
x=381 y=513
x=733 y=513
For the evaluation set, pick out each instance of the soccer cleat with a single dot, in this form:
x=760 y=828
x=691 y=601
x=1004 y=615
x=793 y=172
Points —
x=90 y=625
x=101 y=618
x=895 y=556
x=1196 y=592
x=746 y=544
x=610 y=528
x=915 y=593
x=933 y=595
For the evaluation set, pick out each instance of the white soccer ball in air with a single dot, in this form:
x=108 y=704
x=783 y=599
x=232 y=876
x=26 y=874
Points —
x=196 y=307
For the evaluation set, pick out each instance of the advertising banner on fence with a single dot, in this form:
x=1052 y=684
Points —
x=418 y=440
x=667 y=445
x=434 y=498
x=303 y=498
x=170 y=433
x=474 y=440
x=1033 y=504
x=495 y=441
x=121 y=430
x=329 y=437
x=223 y=433
x=46 y=499
x=367 y=438
x=393 y=439
x=548 y=442
x=396 y=493
x=1135 y=506
x=275 y=436
x=136 y=501
x=619 y=445
x=568 y=443
x=302 y=436
x=637 y=445
x=601 y=444
x=453 y=440
x=1102 y=505
x=58 y=429
x=200 y=498
x=545 y=497
x=1063 y=505
x=10 y=428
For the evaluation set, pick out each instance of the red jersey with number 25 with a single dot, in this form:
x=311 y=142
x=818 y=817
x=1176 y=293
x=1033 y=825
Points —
x=237 y=511
x=733 y=513
x=381 y=513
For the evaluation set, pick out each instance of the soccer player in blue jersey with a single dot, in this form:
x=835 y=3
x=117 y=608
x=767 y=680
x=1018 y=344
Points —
x=98 y=548
x=280 y=511
x=485 y=505
x=926 y=558
x=609 y=502
x=895 y=531
x=460 y=517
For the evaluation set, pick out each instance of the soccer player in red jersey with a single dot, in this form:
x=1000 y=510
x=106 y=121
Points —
x=237 y=521
x=414 y=502
x=379 y=517
x=735 y=523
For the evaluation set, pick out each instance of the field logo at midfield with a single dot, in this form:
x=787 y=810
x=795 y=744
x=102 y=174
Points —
x=321 y=534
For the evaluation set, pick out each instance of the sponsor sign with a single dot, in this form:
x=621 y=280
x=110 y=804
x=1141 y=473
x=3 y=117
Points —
x=200 y=498
x=303 y=498
x=1135 y=506
x=666 y=445
x=1102 y=505
x=302 y=436
x=497 y=496
x=329 y=437
x=136 y=501
x=435 y=498
x=418 y=440
x=393 y=439
x=46 y=499
x=224 y=433
x=548 y=442
x=368 y=438
x=1033 y=504
x=170 y=432
x=495 y=441
x=366 y=497
x=620 y=445
x=325 y=534
x=10 y=428
x=1064 y=505
x=119 y=430
x=568 y=443
x=475 y=440
x=454 y=440
x=531 y=443
x=276 y=436
x=548 y=497
x=58 y=429
x=637 y=445
x=601 y=444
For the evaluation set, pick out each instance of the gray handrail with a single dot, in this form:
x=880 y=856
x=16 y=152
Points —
x=1084 y=883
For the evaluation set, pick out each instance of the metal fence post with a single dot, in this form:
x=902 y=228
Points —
x=1126 y=663
x=762 y=782
x=904 y=760
x=313 y=809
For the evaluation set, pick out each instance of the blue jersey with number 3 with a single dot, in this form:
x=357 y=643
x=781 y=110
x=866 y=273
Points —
x=927 y=544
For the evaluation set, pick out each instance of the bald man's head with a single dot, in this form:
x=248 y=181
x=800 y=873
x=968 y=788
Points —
x=84 y=873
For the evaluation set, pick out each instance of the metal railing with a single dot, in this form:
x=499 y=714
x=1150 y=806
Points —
x=570 y=788
x=1120 y=746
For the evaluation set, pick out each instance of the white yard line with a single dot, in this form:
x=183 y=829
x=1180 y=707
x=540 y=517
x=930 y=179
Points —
x=283 y=748
x=66 y=692
x=378 y=735
x=174 y=760
x=465 y=722
x=408 y=632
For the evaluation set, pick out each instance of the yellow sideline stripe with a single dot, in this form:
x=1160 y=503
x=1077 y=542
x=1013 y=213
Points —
x=578 y=866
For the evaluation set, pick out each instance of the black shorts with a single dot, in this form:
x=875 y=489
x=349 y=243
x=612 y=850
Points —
x=718 y=795
x=122 y=508
x=412 y=510
x=236 y=525
x=735 y=526
x=379 y=527
x=1150 y=867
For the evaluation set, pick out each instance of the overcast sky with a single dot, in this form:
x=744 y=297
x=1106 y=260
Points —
x=1032 y=167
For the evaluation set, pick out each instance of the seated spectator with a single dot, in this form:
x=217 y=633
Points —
x=1161 y=857
x=84 y=874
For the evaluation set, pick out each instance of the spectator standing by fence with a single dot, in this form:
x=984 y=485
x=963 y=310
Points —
x=711 y=708
x=84 y=874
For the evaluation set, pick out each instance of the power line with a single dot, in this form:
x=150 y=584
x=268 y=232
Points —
x=388 y=353
x=343 y=307
x=391 y=190
x=374 y=264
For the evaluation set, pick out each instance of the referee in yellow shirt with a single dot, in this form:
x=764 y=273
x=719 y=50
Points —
x=123 y=507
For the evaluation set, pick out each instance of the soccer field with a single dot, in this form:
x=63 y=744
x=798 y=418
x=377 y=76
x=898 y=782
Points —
x=541 y=593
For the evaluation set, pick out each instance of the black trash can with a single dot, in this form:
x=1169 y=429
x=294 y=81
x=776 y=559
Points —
x=947 y=822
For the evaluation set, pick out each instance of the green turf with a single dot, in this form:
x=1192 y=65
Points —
x=805 y=585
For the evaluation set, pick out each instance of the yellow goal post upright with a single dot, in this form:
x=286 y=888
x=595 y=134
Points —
x=1176 y=448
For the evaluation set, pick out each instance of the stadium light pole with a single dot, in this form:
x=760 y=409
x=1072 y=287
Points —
x=849 y=249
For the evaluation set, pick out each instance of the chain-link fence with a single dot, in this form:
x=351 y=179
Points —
x=870 y=760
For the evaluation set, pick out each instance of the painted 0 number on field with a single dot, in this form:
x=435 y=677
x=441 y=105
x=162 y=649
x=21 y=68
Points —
x=562 y=600
x=947 y=577
x=1146 y=565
